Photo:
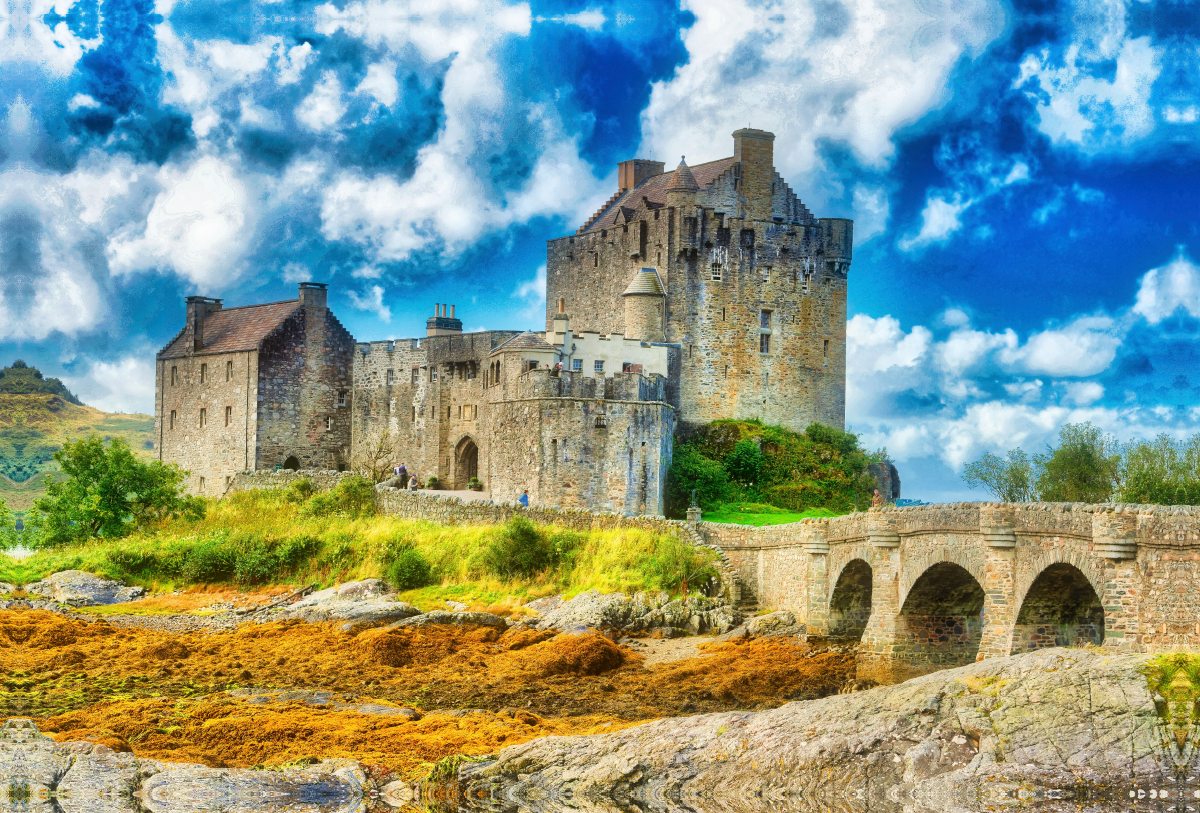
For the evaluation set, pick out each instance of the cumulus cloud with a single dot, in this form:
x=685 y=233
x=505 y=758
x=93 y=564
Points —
x=1084 y=347
x=371 y=301
x=813 y=72
x=198 y=227
x=122 y=385
x=1171 y=288
x=532 y=293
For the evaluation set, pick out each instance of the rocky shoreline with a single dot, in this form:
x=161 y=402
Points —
x=1053 y=729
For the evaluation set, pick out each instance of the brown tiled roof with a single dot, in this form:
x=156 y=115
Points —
x=524 y=341
x=232 y=329
x=683 y=179
x=654 y=190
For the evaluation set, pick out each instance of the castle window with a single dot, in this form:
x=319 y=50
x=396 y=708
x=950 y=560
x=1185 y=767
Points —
x=172 y=419
x=329 y=424
x=722 y=314
x=391 y=378
x=716 y=272
x=414 y=415
x=825 y=350
x=433 y=372
x=601 y=422
x=598 y=366
x=174 y=376
x=596 y=260
x=532 y=365
x=203 y=373
x=203 y=418
x=604 y=234
x=228 y=415
x=764 y=342
x=764 y=320
x=766 y=273
x=229 y=371
x=228 y=481
x=201 y=483
x=577 y=365
x=416 y=371
x=460 y=412
x=447 y=413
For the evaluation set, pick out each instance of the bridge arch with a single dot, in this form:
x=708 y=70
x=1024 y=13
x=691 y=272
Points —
x=917 y=562
x=1060 y=608
x=940 y=624
x=850 y=601
x=1032 y=563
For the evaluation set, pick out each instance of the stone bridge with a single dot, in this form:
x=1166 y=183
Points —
x=931 y=587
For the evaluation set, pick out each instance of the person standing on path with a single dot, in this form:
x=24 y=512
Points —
x=524 y=498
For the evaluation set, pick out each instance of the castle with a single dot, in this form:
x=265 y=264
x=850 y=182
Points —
x=702 y=293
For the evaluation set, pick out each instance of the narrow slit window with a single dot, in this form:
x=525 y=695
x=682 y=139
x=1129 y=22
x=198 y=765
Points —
x=825 y=349
x=203 y=417
x=228 y=415
x=172 y=419
x=229 y=371
x=329 y=424
x=174 y=376
x=201 y=483
x=391 y=377
x=416 y=372
x=764 y=342
x=203 y=373
x=414 y=414
x=766 y=273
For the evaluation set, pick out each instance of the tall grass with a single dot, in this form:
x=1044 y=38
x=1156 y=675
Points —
x=272 y=538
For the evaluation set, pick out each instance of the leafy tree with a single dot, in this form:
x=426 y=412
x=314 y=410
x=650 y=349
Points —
x=1160 y=471
x=745 y=463
x=374 y=454
x=1083 y=468
x=1008 y=479
x=107 y=492
x=691 y=471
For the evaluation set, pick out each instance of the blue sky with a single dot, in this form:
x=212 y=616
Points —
x=1023 y=179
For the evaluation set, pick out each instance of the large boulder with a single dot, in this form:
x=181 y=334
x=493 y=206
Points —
x=643 y=612
x=458 y=619
x=1056 y=724
x=79 y=589
x=358 y=604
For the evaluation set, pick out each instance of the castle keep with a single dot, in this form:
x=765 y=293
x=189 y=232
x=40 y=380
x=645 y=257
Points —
x=702 y=293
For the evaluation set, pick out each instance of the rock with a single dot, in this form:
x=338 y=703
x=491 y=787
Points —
x=367 y=588
x=79 y=589
x=5 y=587
x=321 y=697
x=359 y=604
x=455 y=606
x=83 y=777
x=457 y=619
x=643 y=612
x=771 y=622
x=1049 y=724
x=545 y=605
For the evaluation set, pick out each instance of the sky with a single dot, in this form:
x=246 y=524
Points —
x=1023 y=179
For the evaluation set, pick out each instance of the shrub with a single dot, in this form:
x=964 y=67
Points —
x=519 y=550
x=209 y=561
x=409 y=570
x=677 y=565
x=354 y=496
x=692 y=471
x=431 y=483
x=300 y=491
x=745 y=463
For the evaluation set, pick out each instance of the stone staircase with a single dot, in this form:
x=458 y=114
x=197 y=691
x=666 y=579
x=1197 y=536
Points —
x=740 y=593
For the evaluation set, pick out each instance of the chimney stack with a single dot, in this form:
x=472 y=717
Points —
x=441 y=324
x=631 y=173
x=314 y=295
x=197 y=308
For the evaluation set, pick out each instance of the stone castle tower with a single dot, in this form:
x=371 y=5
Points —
x=753 y=287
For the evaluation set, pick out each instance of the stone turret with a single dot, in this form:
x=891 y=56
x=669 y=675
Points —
x=644 y=300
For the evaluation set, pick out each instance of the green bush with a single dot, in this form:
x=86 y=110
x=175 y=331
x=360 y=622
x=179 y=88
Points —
x=409 y=570
x=676 y=565
x=691 y=470
x=300 y=491
x=354 y=496
x=519 y=550
x=745 y=463
x=209 y=561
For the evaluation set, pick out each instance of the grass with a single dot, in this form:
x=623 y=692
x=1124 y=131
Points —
x=259 y=538
x=758 y=514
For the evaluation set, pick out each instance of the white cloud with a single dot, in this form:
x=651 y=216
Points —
x=1181 y=115
x=372 y=302
x=939 y=220
x=367 y=272
x=1083 y=393
x=291 y=63
x=380 y=84
x=1173 y=287
x=871 y=210
x=296 y=272
x=1083 y=347
x=323 y=108
x=880 y=344
x=198 y=227
x=1078 y=107
x=123 y=385
x=533 y=293
x=592 y=18
x=851 y=74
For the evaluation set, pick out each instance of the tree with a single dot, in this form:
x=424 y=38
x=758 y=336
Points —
x=1083 y=468
x=692 y=471
x=108 y=492
x=1008 y=479
x=1160 y=471
x=374 y=454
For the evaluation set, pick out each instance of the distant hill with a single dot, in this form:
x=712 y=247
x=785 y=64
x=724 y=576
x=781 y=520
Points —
x=38 y=415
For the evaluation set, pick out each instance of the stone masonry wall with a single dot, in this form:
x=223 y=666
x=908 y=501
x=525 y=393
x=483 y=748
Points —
x=217 y=451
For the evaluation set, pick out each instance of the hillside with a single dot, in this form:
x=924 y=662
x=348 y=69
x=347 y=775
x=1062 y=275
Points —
x=37 y=415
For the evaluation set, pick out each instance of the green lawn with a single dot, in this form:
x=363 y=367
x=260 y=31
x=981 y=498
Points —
x=759 y=515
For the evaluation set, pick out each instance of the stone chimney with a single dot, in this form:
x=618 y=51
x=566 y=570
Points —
x=313 y=296
x=197 y=308
x=754 y=150
x=442 y=325
x=631 y=173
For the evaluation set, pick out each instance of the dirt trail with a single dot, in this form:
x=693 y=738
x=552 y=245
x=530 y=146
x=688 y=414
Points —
x=162 y=693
